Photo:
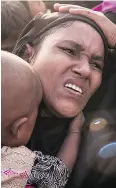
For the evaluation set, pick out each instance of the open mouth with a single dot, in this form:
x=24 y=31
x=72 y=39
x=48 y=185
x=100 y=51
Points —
x=74 y=88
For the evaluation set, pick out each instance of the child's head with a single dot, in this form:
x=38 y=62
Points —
x=21 y=95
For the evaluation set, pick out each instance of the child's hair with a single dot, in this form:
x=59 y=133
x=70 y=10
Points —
x=14 y=17
x=21 y=95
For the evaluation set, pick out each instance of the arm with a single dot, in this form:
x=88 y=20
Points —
x=107 y=26
x=50 y=171
x=69 y=150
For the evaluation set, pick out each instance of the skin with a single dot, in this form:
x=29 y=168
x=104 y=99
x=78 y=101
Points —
x=59 y=62
x=21 y=96
x=107 y=26
x=19 y=100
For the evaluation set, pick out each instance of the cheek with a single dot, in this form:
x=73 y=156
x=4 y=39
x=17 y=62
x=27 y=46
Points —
x=51 y=67
x=50 y=61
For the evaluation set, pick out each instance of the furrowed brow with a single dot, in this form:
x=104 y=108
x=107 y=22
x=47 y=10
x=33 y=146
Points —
x=73 y=44
x=98 y=58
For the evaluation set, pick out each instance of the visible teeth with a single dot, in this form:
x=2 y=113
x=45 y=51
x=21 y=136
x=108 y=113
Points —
x=74 y=87
x=70 y=85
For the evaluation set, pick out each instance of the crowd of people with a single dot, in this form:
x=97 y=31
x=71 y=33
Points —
x=58 y=88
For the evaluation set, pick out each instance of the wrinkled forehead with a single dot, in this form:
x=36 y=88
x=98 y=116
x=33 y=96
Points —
x=42 y=23
x=77 y=33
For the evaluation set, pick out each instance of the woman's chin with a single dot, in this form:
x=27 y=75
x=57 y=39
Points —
x=67 y=111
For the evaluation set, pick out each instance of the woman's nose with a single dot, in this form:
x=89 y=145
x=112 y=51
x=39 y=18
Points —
x=82 y=67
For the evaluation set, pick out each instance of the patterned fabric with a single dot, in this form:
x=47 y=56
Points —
x=48 y=172
x=16 y=165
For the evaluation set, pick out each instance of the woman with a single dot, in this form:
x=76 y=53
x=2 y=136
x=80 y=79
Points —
x=70 y=69
x=99 y=142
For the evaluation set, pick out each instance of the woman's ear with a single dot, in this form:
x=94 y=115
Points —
x=28 y=53
x=17 y=126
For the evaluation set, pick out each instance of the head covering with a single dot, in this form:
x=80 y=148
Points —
x=43 y=22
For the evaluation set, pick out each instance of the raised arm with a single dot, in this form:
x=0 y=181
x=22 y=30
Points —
x=69 y=150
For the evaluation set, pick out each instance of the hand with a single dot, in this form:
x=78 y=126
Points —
x=77 y=123
x=108 y=27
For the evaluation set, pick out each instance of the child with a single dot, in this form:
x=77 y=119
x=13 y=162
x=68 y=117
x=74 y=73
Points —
x=21 y=96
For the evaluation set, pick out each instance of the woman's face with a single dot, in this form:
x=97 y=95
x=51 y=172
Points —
x=70 y=64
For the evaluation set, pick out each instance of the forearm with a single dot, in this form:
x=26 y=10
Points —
x=69 y=150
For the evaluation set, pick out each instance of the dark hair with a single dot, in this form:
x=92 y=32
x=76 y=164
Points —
x=14 y=17
x=44 y=24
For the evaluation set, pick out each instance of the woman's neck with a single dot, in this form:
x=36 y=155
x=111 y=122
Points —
x=46 y=113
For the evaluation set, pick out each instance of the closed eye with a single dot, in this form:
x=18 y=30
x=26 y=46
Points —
x=68 y=50
x=97 y=66
x=97 y=62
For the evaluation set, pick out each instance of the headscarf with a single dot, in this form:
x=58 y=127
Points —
x=43 y=22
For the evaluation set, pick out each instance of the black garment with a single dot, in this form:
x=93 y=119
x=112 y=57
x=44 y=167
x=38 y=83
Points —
x=96 y=164
x=90 y=169
x=93 y=169
x=48 y=134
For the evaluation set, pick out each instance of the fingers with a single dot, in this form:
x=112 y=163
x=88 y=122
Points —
x=82 y=117
x=79 y=118
x=56 y=6
x=75 y=9
x=64 y=7
x=88 y=13
x=108 y=27
x=77 y=123
x=67 y=8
